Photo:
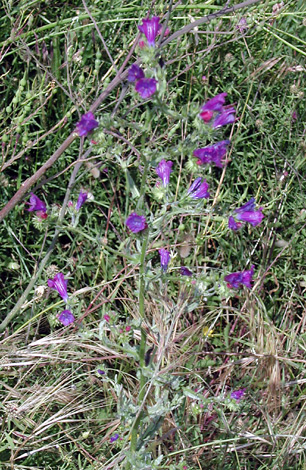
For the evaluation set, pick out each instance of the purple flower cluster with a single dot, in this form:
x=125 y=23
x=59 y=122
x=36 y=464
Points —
x=214 y=108
x=246 y=213
x=237 y=279
x=59 y=283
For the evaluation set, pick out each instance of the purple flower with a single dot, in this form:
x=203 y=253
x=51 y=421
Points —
x=86 y=124
x=146 y=87
x=36 y=204
x=253 y=217
x=248 y=206
x=150 y=28
x=242 y=25
x=238 y=394
x=60 y=285
x=215 y=104
x=213 y=153
x=135 y=73
x=114 y=438
x=227 y=116
x=66 y=317
x=233 y=225
x=81 y=199
x=136 y=223
x=164 y=258
x=198 y=189
x=214 y=107
x=163 y=170
x=235 y=280
x=247 y=213
x=101 y=372
x=185 y=271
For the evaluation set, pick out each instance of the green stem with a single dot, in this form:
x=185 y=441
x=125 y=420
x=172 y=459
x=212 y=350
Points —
x=142 y=348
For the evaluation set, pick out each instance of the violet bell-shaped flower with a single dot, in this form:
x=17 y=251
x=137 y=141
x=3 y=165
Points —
x=238 y=394
x=136 y=223
x=81 y=199
x=164 y=170
x=199 y=189
x=150 y=27
x=213 y=105
x=135 y=73
x=66 y=317
x=60 y=285
x=213 y=153
x=233 y=225
x=235 y=280
x=87 y=124
x=227 y=116
x=247 y=213
x=38 y=206
x=214 y=108
x=185 y=271
x=164 y=258
x=146 y=87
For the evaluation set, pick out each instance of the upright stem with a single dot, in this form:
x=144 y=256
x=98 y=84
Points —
x=141 y=300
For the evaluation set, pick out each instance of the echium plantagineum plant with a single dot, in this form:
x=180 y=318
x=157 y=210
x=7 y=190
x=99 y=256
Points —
x=193 y=198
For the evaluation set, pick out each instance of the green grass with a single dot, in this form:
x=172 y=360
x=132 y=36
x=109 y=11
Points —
x=171 y=406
